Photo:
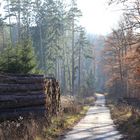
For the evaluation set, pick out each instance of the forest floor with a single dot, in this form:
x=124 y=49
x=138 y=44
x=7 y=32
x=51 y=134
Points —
x=96 y=125
x=126 y=118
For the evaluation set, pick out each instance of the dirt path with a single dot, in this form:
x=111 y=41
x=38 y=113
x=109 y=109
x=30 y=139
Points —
x=97 y=124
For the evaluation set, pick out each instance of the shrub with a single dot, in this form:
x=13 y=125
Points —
x=18 y=59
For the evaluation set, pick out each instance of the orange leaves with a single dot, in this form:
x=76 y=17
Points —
x=138 y=71
x=122 y=68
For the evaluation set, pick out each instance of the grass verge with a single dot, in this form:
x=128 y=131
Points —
x=62 y=124
x=126 y=118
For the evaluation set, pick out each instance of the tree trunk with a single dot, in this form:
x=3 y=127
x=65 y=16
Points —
x=41 y=46
x=9 y=22
x=40 y=38
x=19 y=16
x=79 y=73
x=69 y=76
x=73 y=63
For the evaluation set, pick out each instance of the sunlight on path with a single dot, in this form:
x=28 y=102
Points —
x=97 y=124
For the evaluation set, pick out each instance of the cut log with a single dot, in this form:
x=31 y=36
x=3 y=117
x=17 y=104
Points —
x=14 y=97
x=23 y=112
x=21 y=95
x=26 y=93
x=21 y=75
x=21 y=80
x=22 y=101
x=20 y=87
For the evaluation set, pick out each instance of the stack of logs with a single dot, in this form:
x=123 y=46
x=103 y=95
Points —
x=28 y=95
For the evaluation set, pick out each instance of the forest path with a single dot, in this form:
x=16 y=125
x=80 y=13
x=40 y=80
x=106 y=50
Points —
x=96 y=125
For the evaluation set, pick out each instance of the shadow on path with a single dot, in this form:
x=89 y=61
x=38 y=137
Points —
x=96 y=125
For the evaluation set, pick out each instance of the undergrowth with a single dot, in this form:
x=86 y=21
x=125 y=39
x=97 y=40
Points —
x=126 y=118
x=63 y=123
x=39 y=128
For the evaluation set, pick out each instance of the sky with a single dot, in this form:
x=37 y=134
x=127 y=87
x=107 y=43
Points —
x=98 y=17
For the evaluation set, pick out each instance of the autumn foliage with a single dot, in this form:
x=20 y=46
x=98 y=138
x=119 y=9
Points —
x=121 y=59
x=133 y=65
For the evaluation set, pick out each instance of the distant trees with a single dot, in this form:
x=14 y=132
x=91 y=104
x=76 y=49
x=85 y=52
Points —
x=45 y=37
x=131 y=13
x=133 y=66
x=73 y=14
x=121 y=54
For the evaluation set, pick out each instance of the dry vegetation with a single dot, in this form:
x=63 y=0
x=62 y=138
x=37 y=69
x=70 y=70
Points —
x=126 y=118
x=39 y=129
x=22 y=129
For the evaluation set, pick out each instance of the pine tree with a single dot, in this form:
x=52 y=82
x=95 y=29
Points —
x=73 y=15
x=19 y=59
